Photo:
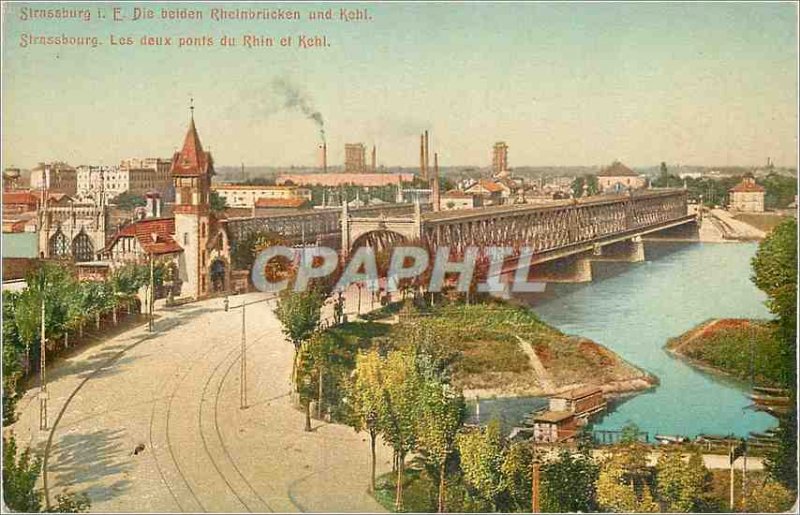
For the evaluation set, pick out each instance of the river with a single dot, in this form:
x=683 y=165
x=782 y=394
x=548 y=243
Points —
x=634 y=308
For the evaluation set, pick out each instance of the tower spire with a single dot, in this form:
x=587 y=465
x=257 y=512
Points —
x=191 y=107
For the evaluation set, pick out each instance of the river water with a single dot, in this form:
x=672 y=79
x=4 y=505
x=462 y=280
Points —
x=634 y=308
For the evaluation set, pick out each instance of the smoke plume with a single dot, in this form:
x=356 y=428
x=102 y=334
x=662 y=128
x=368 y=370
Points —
x=295 y=99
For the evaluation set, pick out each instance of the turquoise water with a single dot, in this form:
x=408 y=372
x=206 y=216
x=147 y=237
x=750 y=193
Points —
x=634 y=309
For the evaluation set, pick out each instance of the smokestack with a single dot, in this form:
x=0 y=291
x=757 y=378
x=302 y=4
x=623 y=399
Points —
x=373 y=159
x=435 y=194
x=422 y=156
x=427 y=155
x=324 y=157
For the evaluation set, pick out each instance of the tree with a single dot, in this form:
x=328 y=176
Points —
x=615 y=492
x=517 y=476
x=441 y=410
x=775 y=273
x=368 y=400
x=399 y=419
x=624 y=480
x=481 y=453
x=217 y=203
x=19 y=477
x=299 y=313
x=13 y=354
x=244 y=253
x=781 y=463
x=770 y=497
x=568 y=483
x=680 y=484
x=128 y=201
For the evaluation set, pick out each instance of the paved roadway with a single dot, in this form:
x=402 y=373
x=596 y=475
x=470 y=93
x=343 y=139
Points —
x=177 y=393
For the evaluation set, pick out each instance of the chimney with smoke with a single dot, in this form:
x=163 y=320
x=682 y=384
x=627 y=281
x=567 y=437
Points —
x=323 y=157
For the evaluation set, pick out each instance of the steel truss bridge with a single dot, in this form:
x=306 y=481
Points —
x=549 y=232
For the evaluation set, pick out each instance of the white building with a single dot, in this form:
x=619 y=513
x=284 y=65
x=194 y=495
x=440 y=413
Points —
x=56 y=177
x=618 y=178
x=136 y=176
x=240 y=195
x=747 y=196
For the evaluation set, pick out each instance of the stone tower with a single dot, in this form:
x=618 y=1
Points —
x=192 y=169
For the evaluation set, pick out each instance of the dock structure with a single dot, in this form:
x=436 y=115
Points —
x=566 y=413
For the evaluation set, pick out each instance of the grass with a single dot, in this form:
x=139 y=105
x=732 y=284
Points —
x=764 y=222
x=733 y=346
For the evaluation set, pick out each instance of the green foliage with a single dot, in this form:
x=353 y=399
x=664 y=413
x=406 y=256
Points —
x=299 y=314
x=585 y=185
x=517 y=477
x=666 y=179
x=775 y=273
x=749 y=348
x=781 y=464
x=780 y=191
x=243 y=254
x=770 y=497
x=20 y=473
x=481 y=453
x=128 y=201
x=216 y=202
x=568 y=483
x=680 y=484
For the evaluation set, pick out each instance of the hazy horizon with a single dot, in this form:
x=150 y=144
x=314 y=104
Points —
x=588 y=83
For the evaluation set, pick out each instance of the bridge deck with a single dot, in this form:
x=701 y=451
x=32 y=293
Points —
x=514 y=209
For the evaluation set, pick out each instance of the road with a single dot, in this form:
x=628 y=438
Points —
x=177 y=394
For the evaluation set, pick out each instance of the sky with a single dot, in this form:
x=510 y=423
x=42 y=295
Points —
x=561 y=83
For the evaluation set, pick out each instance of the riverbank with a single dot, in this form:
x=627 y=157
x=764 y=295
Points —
x=501 y=349
x=741 y=348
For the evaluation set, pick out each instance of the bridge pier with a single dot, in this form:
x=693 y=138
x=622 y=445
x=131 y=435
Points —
x=628 y=251
x=570 y=269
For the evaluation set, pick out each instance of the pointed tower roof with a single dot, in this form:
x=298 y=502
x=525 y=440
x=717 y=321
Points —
x=192 y=160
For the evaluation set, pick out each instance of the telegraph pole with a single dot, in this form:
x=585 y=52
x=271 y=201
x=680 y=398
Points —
x=534 y=476
x=151 y=298
x=42 y=370
x=243 y=373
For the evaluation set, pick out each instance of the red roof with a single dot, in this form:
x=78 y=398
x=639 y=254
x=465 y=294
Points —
x=617 y=169
x=748 y=185
x=153 y=234
x=20 y=197
x=281 y=202
x=192 y=159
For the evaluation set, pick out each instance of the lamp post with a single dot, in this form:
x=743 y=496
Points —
x=243 y=372
x=151 y=298
x=42 y=367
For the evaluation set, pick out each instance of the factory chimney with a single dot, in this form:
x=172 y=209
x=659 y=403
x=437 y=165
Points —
x=422 y=173
x=427 y=156
x=324 y=157
x=374 y=169
x=435 y=193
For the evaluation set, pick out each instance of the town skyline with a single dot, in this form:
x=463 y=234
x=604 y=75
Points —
x=721 y=92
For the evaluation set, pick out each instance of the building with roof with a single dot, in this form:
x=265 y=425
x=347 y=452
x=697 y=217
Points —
x=56 y=177
x=554 y=426
x=583 y=402
x=242 y=195
x=343 y=179
x=618 y=178
x=192 y=242
x=747 y=196
x=456 y=199
x=491 y=191
x=355 y=158
x=135 y=176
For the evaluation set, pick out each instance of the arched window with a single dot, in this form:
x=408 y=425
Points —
x=58 y=245
x=82 y=247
